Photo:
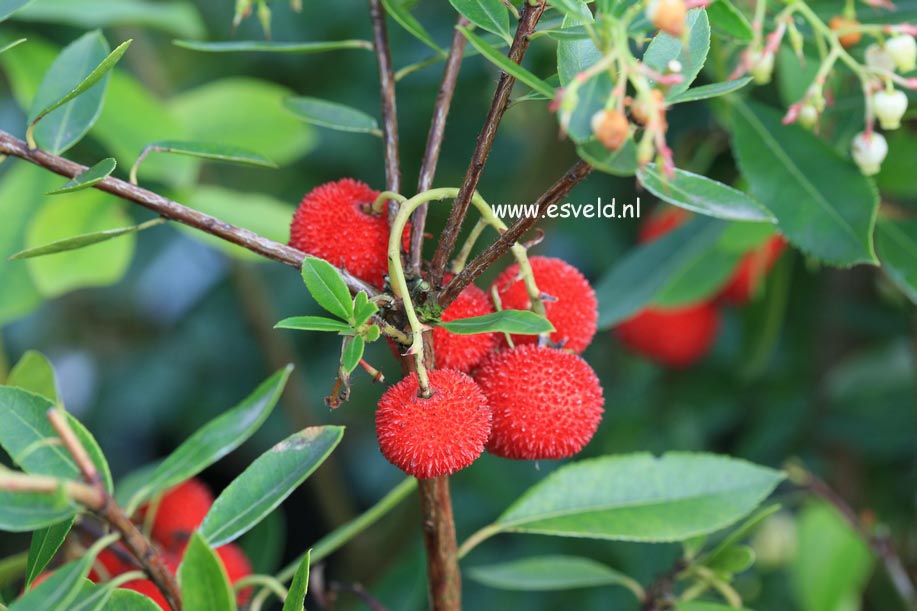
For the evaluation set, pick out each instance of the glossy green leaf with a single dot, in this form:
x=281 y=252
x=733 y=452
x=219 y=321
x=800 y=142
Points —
x=29 y=439
x=576 y=32
x=397 y=10
x=35 y=374
x=69 y=99
x=568 y=7
x=725 y=17
x=88 y=177
x=57 y=590
x=692 y=55
x=733 y=560
x=8 y=7
x=128 y=600
x=267 y=482
x=265 y=543
x=314 y=323
x=269 y=46
x=84 y=212
x=9 y=46
x=832 y=563
x=702 y=195
x=91 y=597
x=640 y=497
x=44 y=546
x=705 y=92
x=215 y=439
x=208 y=150
x=363 y=309
x=505 y=64
x=299 y=587
x=518 y=322
x=327 y=287
x=177 y=17
x=490 y=15
x=332 y=115
x=647 y=270
x=20 y=191
x=622 y=162
x=897 y=244
x=548 y=573
x=82 y=241
x=24 y=511
x=822 y=203
x=202 y=579
x=573 y=57
x=352 y=352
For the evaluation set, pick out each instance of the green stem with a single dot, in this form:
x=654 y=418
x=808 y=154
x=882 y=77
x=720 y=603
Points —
x=122 y=579
x=270 y=583
x=474 y=540
x=458 y=264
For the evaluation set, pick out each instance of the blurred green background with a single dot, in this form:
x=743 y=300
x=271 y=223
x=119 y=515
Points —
x=164 y=331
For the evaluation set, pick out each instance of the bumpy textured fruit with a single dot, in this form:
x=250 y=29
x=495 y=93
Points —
x=676 y=337
x=237 y=566
x=611 y=128
x=843 y=24
x=546 y=403
x=439 y=435
x=332 y=223
x=751 y=271
x=869 y=151
x=464 y=352
x=149 y=589
x=181 y=510
x=112 y=563
x=668 y=16
x=571 y=307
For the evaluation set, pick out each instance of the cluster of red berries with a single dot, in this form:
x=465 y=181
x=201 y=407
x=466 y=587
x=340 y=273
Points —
x=678 y=337
x=179 y=513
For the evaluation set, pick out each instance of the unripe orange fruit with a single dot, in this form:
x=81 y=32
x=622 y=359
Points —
x=668 y=16
x=611 y=128
x=848 y=39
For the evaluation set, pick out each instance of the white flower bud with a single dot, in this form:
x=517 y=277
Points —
x=903 y=49
x=775 y=541
x=869 y=152
x=879 y=59
x=890 y=106
x=808 y=115
x=761 y=67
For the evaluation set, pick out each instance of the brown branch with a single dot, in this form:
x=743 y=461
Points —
x=445 y=584
x=660 y=595
x=389 y=109
x=531 y=13
x=10 y=145
x=879 y=542
x=559 y=189
x=435 y=142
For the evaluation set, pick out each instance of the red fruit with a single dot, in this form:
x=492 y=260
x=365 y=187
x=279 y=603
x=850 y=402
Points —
x=546 y=402
x=663 y=221
x=751 y=271
x=237 y=566
x=148 y=588
x=113 y=563
x=332 y=223
x=571 y=307
x=181 y=510
x=464 y=352
x=438 y=435
x=41 y=577
x=675 y=337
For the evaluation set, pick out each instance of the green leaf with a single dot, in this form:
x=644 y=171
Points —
x=724 y=16
x=332 y=115
x=44 y=546
x=490 y=15
x=267 y=482
x=35 y=374
x=640 y=497
x=642 y=274
x=29 y=439
x=88 y=177
x=269 y=46
x=702 y=195
x=215 y=439
x=692 y=54
x=296 y=596
x=897 y=243
x=314 y=323
x=832 y=563
x=704 y=92
x=363 y=309
x=176 y=17
x=82 y=67
x=91 y=597
x=822 y=203
x=505 y=64
x=549 y=573
x=60 y=588
x=83 y=240
x=9 y=46
x=20 y=191
x=128 y=600
x=573 y=57
x=27 y=511
x=83 y=212
x=8 y=7
x=352 y=352
x=518 y=322
x=206 y=150
x=265 y=543
x=202 y=579
x=733 y=560
x=622 y=162
x=397 y=10
x=327 y=287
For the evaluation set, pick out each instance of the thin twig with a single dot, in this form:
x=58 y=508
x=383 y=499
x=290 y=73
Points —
x=10 y=145
x=72 y=444
x=435 y=142
x=360 y=592
x=531 y=13
x=661 y=593
x=559 y=189
x=389 y=108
